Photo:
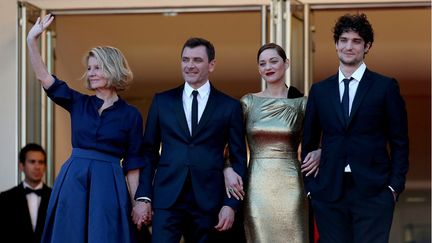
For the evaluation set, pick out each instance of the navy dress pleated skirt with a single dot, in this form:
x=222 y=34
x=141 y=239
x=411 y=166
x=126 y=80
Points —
x=90 y=201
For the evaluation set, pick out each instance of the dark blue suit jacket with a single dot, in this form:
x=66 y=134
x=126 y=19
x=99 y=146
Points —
x=201 y=155
x=374 y=142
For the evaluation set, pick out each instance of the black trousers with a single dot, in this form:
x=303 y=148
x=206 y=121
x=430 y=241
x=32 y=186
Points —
x=353 y=218
x=184 y=218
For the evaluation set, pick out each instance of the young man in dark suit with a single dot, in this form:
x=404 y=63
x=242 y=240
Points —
x=191 y=124
x=358 y=117
x=23 y=208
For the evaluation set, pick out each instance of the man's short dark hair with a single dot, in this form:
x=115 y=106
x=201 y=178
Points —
x=30 y=147
x=196 y=41
x=354 y=22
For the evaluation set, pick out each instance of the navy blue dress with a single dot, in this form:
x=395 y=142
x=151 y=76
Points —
x=90 y=200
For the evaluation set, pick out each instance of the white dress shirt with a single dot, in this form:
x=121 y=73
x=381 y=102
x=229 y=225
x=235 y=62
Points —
x=202 y=97
x=33 y=202
x=353 y=85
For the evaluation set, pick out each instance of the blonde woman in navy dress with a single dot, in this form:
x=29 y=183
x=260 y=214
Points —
x=90 y=200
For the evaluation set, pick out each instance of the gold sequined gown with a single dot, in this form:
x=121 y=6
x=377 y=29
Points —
x=275 y=205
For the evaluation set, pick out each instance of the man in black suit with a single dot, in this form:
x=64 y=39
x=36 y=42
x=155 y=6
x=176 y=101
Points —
x=358 y=117
x=23 y=208
x=191 y=124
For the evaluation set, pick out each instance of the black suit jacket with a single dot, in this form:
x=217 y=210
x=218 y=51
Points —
x=201 y=155
x=374 y=142
x=15 y=222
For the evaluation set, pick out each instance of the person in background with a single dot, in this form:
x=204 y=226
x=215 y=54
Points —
x=23 y=208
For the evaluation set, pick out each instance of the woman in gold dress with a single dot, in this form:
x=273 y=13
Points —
x=276 y=207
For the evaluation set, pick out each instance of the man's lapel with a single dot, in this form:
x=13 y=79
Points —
x=334 y=96
x=362 y=90
x=179 y=111
x=208 y=110
x=25 y=214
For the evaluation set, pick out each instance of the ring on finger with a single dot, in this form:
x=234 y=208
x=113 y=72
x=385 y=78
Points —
x=230 y=189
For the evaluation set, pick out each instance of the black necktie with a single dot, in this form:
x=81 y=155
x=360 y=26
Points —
x=194 y=111
x=29 y=190
x=345 y=99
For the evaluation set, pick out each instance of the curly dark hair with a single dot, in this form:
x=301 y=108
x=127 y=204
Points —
x=354 y=22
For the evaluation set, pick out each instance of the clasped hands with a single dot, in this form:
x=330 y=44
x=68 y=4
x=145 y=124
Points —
x=141 y=214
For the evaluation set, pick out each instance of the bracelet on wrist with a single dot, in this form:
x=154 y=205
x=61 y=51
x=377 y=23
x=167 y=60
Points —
x=144 y=200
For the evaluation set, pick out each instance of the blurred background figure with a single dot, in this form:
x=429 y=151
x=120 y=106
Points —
x=23 y=208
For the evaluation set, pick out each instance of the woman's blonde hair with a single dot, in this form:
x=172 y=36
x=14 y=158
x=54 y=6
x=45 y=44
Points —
x=114 y=67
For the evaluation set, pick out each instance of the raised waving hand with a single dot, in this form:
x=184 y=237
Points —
x=38 y=65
